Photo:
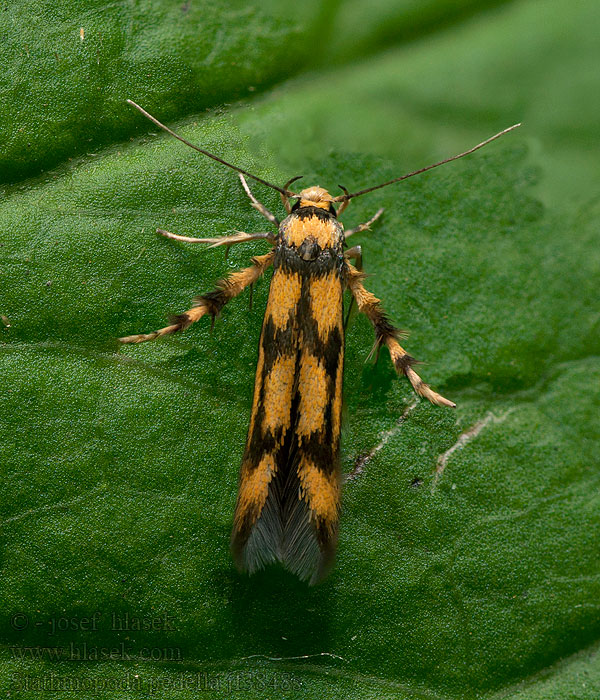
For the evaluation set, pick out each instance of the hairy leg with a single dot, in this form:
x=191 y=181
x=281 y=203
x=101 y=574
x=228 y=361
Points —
x=211 y=303
x=386 y=334
x=237 y=237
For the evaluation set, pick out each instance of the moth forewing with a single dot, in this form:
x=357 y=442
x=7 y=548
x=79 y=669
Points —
x=289 y=491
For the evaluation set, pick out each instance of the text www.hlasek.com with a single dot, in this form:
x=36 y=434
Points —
x=87 y=652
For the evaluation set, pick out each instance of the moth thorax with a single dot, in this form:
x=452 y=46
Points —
x=315 y=197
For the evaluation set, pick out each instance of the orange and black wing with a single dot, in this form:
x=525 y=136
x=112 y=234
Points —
x=289 y=491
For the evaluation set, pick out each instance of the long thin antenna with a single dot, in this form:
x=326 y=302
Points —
x=346 y=197
x=210 y=155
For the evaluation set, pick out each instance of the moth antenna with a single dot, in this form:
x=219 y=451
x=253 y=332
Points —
x=345 y=197
x=281 y=190
x=285 y=198
x=293 y=179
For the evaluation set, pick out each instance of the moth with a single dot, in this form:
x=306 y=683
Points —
x=288 y=500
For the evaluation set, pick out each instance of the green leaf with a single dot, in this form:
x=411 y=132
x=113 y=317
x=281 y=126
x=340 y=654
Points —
x=467 y=563
x=65 y=77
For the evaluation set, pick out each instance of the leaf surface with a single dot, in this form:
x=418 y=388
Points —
x=467 y=564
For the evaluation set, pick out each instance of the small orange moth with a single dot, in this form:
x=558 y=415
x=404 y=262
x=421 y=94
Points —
x=288 y=501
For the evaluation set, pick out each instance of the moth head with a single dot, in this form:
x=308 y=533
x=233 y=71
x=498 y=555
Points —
x=315 y=197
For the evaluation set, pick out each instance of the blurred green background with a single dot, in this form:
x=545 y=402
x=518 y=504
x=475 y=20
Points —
x=120 y=464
